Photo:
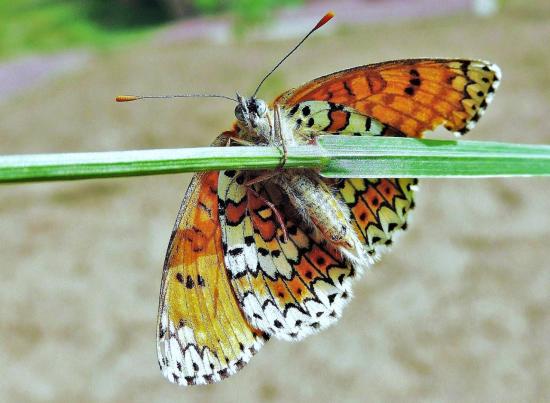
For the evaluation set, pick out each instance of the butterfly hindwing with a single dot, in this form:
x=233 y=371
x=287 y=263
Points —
x=412 y=96
x=379 y=209
x=202 y=334
x=287 y=288
x=309 y=119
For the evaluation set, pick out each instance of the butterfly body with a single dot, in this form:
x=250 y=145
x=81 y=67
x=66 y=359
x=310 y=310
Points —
x=318 y=206
x=255 y=255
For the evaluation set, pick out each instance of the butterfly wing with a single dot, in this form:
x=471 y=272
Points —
x=202 y=334
x=412 y=96
x=396 y=98
x=287 y=288
x=379 y=209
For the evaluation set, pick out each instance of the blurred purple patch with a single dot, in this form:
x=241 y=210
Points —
x=29 y=71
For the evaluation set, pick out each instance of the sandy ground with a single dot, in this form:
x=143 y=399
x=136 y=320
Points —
x=459 y=311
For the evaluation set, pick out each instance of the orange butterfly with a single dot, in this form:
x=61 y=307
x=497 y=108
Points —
x=261 y=254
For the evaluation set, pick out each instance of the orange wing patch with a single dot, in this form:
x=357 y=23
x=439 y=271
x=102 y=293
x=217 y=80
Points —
x=202 y=333
x=412 y=96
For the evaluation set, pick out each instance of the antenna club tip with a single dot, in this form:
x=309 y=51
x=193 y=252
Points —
x=126 y=98
x=326 y=18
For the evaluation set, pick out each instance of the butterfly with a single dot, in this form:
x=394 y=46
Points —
x=255 y=255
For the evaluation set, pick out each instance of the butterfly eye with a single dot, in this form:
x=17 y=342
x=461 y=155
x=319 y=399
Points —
x=239 y=113
x=261 y=108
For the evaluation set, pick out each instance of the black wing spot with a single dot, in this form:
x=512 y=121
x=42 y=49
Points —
x=409 y=91
x=200 y=281
x=292 y=230
x=189 y=283
x=368 y=123
x=236 y=251
x=294 y=109
x=248 y=240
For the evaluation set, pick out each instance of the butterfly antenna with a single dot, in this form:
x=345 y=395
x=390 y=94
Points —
x=128 y=98
x=326 y=18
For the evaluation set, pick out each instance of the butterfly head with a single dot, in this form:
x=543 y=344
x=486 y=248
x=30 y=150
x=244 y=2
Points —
x=250 y=110
x=252 y=115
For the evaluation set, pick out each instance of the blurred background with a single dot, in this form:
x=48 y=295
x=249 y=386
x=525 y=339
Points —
x=459 y=311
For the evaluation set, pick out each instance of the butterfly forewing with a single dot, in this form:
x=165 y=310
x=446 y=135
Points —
x=203 y=335
x=412 y=96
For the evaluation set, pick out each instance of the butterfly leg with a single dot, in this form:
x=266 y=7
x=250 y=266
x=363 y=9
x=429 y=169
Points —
x=238 y=141
x=278 y=215
x=263 y=177
x=279 y=135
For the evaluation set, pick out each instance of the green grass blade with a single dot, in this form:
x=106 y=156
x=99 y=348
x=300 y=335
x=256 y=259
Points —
x=335 y=156
x=70 y=166
x=405 y=157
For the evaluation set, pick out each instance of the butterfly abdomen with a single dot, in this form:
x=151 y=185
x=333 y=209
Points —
x=318 y=206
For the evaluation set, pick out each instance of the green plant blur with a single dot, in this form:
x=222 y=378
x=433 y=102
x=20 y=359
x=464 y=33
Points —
x=51 y=25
